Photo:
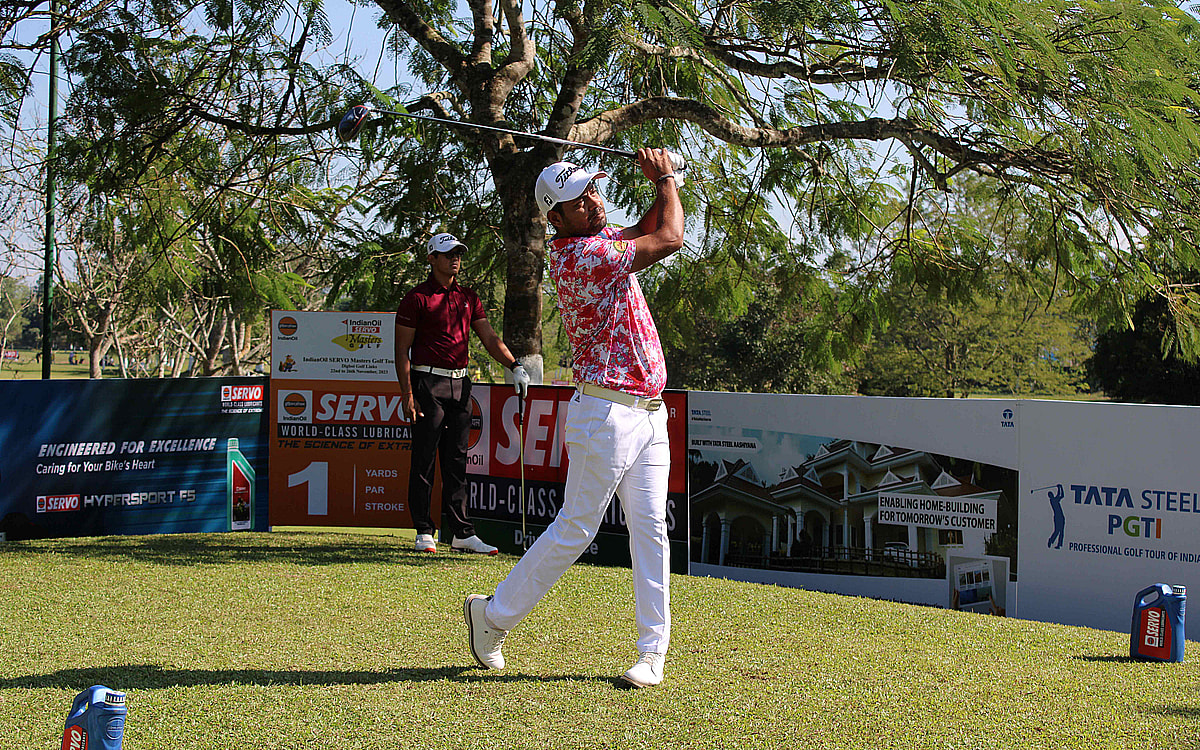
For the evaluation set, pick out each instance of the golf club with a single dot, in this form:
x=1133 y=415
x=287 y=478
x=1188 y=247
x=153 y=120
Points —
x=521 y=451
x=354 y=120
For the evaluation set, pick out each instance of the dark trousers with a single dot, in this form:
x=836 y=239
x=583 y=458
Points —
x=443 y=432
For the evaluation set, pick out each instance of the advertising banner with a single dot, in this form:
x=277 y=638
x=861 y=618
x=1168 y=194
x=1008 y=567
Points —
x=1110 y=504
x=495 y=464
x=96 y=457
x=906 y=499
x=340 y=446
x=341 y=449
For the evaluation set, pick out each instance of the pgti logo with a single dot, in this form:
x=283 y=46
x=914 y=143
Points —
x=1055 y=494
x=1008 y=418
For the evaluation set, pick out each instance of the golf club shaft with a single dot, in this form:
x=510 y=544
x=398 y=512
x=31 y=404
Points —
x=521 y=453
x=514 y=133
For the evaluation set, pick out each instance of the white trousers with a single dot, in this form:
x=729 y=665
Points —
x=611 y=449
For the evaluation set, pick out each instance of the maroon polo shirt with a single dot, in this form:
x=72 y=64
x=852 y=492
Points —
x=442 y=318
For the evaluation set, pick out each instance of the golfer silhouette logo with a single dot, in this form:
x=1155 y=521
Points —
x=1055 y=495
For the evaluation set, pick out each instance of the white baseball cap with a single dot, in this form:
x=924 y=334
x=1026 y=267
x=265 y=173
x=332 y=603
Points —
x=444 y=243
x=562 y=181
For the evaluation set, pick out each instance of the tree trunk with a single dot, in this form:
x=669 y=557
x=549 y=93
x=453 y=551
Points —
x=216 y=342
x=524 y=230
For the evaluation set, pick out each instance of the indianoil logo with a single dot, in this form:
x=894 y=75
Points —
x=476 y=424
x=294 y=407
x=295 y=404
x=287 y=326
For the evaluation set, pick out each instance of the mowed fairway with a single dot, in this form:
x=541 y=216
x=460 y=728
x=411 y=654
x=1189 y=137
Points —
x=309 y=640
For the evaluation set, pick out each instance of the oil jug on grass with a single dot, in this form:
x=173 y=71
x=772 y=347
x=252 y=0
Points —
x=1157 y=630
x=96 y=721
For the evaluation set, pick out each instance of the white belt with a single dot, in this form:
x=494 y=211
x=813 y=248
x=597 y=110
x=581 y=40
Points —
x=620 y=397
x=460 y=373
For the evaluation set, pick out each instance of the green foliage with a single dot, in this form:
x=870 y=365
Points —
x=1011 y=341
x=1130 y=364
x=859 y=147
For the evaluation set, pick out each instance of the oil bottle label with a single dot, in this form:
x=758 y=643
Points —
x=1155 y=634
x=74 y=738
x=241 y=499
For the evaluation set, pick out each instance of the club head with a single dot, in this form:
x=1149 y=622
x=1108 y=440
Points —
x=353 y=122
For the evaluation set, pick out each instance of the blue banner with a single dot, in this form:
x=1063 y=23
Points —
x=97 y=457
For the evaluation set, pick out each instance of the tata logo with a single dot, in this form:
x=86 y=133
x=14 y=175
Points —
x=1006 y=418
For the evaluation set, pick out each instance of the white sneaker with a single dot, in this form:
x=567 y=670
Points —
x=647 y=671
x=472 y=544
x=485 y=640
x=425 y=543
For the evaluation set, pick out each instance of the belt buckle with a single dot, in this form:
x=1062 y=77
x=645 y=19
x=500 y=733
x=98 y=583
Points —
x=652 y=404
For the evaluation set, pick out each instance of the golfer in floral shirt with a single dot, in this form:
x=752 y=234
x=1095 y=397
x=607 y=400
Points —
x=616 y=428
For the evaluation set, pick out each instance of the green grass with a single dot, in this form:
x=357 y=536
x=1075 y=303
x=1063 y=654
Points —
x=307 y=640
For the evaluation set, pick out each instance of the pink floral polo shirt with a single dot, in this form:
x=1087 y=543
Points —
x=613 y=339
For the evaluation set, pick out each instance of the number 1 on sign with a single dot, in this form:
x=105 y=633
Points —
x=316 y=476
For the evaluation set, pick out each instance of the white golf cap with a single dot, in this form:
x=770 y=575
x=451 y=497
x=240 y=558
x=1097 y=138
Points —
x=562 y=181
x=444 y=243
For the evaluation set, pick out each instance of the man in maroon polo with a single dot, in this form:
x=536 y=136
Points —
x=433 y=326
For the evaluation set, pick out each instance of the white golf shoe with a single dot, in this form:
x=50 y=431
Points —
x=486 y=640
x=472 y=544
x=425 y=543
x=647 y=671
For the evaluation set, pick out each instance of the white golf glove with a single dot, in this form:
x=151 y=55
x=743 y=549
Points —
x=680 y=165
x=521 y=381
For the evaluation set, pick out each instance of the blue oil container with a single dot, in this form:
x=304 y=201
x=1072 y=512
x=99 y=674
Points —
x=96 y=721
x=1156 y=633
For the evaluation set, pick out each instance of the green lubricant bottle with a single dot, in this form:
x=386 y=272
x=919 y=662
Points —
x=239 y=487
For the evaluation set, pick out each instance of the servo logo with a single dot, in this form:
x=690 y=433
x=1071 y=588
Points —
x=241 y=393
x=57 y=503
x=241 y=399
x=74 y=739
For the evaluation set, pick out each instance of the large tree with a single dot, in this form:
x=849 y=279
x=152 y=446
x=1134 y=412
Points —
x=841 y=115
x=1132 y=364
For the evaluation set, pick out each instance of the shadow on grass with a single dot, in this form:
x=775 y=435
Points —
x=1184 y=712
x=216 y=549
x=153 y=677
x=1105 y=658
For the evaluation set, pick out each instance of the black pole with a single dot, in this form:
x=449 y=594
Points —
x=51 y=138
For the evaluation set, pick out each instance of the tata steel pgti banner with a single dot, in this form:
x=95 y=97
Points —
x=97 y=457
x=1110 y=504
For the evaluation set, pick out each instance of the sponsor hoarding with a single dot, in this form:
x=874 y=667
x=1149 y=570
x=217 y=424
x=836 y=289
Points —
x=340 y=446
x=494 y=474
x=93 y=457
x=1110 y=499
x=865 y=496
x=341 y=449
